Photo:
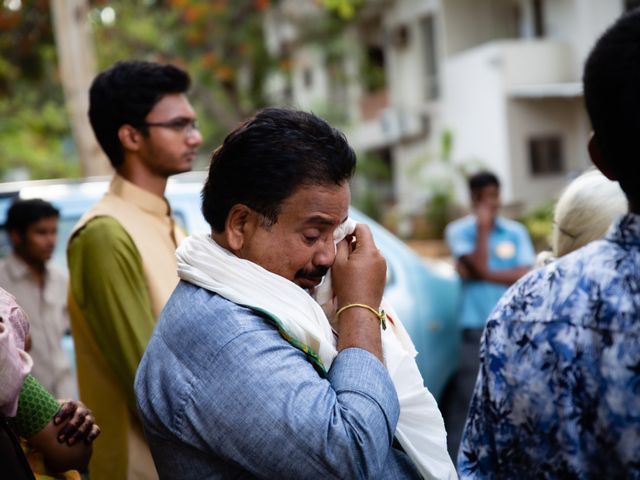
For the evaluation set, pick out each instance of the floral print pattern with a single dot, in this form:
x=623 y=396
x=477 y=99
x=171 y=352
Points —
x=558 y=391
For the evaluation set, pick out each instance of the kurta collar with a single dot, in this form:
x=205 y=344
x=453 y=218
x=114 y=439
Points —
x=145 y=200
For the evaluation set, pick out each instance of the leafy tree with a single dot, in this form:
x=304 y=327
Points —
x=34 y=127
x=344 y=9
x=219 y=42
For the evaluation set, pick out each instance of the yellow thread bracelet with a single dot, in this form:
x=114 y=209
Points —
x=380 y=314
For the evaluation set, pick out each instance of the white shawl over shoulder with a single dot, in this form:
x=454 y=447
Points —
x=420 y=428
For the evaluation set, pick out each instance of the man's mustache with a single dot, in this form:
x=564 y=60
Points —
x=315 y=273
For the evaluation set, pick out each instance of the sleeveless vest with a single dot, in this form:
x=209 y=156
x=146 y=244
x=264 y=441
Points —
x=121 y=451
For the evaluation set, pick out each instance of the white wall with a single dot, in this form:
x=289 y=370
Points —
x=536 y=61
x=469 y=23
x=580 y=23
x=474 y=109
x=564 y=117
x=405 y=68
x=477 y=72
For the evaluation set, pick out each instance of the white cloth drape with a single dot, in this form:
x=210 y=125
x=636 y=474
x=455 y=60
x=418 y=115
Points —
x=420 y=428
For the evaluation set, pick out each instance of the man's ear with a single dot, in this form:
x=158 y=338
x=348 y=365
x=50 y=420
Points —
x=240 y=225
x=598 y=158
x=130 y=137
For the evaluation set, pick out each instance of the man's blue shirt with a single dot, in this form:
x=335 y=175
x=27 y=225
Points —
x=558 y=392
x=509 y=247
x=222 y=395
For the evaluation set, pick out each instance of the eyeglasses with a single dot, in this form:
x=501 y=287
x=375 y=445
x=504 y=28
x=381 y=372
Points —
x=178 y=125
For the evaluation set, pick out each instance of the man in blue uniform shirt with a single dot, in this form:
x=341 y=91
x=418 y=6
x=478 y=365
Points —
x=491 y=253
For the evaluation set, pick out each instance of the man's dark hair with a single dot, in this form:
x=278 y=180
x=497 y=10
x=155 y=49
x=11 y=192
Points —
x=125 y=94
x=270 y=156
x=480 y=180
x=24 y=213
x=612 y=96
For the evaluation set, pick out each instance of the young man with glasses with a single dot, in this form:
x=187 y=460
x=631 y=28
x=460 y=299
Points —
x=121 y=253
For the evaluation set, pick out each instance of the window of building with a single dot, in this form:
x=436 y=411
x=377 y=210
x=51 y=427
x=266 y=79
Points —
x=307 y=77
x=538 y=18
x=400 y=37
x=546 y=155
x=372 y=69
x=431 y=70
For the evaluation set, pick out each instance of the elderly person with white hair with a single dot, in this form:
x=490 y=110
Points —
x=584 y=212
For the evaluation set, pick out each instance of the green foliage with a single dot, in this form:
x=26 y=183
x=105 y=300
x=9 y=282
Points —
x=372 y=74
x=344 y=9
x=373 y=167
x=29 y=141
x=539 y=223
x=372 y=185
x=438 y=212
x=34 y=132
x=436 y=174
x=220 y=43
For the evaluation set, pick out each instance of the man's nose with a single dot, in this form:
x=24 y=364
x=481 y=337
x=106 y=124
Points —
x=326 y=254
x=194 y=138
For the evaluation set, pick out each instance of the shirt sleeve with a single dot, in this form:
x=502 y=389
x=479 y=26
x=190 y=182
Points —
x=263 y=407
x=108 y=284
x=526 y=252
x=460 y=239
x=345 y=425
x=36 y=408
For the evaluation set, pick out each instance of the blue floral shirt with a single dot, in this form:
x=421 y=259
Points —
x=558 y=391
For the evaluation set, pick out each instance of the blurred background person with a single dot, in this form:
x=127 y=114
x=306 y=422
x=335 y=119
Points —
x=41 y=289
x=491 y=253
x=584 y=212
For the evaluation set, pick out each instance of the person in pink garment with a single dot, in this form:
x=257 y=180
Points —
x=15 y=363
x=60 y=431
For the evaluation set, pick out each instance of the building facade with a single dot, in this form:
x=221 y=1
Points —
x=501 y=77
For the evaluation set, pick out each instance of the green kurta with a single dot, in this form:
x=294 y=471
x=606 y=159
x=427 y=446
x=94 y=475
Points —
x=119 y=313
x=122 y=268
